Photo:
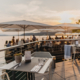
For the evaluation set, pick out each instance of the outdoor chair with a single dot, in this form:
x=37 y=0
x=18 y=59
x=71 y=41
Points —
x=3 y=74
x=77 y=51
x=8 y=56
x=74 y=53
x=19 y=75
x=42 y=54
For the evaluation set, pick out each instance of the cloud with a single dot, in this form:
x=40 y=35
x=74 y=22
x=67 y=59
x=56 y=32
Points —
x=56 y=17
x=19 y=11
x=73 y=15
x=34 y=11
x=43 y=11
x=29 y=7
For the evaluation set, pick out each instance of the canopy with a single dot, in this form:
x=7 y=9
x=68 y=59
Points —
x=11 y=30
x=68 y=34
x=75 y=33
x=59 y=33
x=24 y=22
x=67 y=26
x=24 y=25
x=51 y=30
x=18 y=30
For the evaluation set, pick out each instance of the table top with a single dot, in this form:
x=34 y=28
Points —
x=27 y=67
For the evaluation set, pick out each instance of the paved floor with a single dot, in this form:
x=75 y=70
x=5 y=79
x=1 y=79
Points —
x=0 y=74
x=64 y=71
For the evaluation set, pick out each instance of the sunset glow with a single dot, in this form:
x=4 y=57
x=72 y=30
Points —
x=65 y=18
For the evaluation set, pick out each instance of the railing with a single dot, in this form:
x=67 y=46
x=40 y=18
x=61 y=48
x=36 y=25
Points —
x=3 y=49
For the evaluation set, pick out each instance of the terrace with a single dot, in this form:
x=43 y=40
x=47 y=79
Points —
x=64 y=70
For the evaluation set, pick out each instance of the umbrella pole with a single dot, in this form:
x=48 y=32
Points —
x=24 y=32
x=18 y=35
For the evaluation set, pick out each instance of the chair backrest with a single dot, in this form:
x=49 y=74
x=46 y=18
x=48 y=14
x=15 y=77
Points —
x=73 y=49
x=42 y=54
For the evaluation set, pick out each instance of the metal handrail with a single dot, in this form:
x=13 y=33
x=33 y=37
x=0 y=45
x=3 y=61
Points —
x=7 y=48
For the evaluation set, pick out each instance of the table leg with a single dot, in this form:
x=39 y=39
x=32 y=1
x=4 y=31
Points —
x=29 y=76
x=74 y=54
x=33 y=76
x=26 y=76
x=13 y=73
x=50 y=74
x=73 y=59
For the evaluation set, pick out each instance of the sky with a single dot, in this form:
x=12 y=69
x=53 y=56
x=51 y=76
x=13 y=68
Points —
x=50 y=12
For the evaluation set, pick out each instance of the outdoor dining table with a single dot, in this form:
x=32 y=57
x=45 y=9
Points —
x=28 y=67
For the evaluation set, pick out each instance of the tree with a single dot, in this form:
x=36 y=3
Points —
x=78 y=22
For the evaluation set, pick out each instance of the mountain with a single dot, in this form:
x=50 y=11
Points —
x=3 y=34
x=39 y=34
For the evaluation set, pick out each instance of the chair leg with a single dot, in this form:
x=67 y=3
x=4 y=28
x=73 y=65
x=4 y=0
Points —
x=50 y=75
x=73 y=59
